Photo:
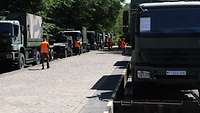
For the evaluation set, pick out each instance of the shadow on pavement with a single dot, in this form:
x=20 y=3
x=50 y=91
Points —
x=121 y=64
x=34 y=69
x=107 y=82
x=106 y=85
x=6 y=69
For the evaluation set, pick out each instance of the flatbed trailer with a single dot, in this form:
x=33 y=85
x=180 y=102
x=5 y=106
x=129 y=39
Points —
x=144 y=99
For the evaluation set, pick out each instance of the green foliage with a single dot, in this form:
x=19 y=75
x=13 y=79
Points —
x=99 y=15
x=31 y=6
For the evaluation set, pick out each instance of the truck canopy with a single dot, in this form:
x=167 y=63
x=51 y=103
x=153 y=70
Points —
x=32 y=27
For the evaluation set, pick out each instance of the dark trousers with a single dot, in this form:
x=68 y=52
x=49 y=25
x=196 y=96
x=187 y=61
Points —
x=44 y=56
x=78 y=52
x=123 y=51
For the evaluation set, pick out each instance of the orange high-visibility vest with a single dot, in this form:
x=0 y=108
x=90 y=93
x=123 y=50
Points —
x=122 y=44
x=44 y=47
x=77 y=44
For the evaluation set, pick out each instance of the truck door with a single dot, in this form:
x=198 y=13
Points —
x=16 y=40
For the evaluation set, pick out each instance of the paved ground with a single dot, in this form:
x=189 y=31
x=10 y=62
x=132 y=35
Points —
x=71 y=85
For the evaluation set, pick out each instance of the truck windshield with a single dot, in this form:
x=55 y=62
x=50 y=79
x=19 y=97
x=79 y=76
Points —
x=170 y=20
x=5 y=29
x=74 y=35
x=63 y=38
x=91 y=37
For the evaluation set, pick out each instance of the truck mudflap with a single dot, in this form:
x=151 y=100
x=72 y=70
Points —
x=183 y=102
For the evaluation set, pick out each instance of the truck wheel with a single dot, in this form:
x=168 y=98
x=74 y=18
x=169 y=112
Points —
x=37 y=58
x=51 y=55
x=69 y=53
x=88 y=50
x=81 y=50
x=21 y=61
x=65 y=54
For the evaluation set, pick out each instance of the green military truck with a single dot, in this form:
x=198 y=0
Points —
x=166 y=48
x=63 y=45
x=92 y=39
x=164 y=71
x=80 y=35
x=20 y=37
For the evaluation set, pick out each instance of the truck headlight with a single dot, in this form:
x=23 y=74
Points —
x=143 y=74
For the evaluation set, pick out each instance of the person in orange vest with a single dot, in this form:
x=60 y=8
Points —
x=119 y=43
x=77 y=45
x=44 y=51
x=123 y=45
x=109 y=43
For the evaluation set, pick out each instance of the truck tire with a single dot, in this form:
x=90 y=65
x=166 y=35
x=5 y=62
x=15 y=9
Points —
x=21 y=61
x=37 y=58
x=88 y=49
x=64 y=54
x=69 y=53
x=51 y=55
x=81 y=50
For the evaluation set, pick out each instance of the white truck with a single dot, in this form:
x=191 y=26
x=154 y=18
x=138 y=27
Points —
x=20 y=37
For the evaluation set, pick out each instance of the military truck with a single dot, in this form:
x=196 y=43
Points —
x=20 y=37
x=81 y=35
x=166 y=46
x=92 y=39
x=164 y=72
x=63 y=45
x=85 y=44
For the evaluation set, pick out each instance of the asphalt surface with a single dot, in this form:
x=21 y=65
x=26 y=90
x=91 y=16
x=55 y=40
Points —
x=78 y=84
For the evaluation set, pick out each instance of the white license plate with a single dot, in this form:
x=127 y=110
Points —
x=182 y=73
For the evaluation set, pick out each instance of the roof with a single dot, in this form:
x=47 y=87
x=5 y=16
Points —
x=10 y=21
x=72 y=31
x=90 y=31
x=167 y=4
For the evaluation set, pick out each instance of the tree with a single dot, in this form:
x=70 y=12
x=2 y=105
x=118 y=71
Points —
x=99 y=15
x=32 y=6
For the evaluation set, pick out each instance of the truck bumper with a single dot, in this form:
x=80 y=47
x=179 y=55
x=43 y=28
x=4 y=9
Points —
x=161 y=102
x=178 y=77
x=9 y=56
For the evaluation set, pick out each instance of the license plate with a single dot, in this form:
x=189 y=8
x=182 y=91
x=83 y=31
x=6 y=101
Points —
x=181 y=73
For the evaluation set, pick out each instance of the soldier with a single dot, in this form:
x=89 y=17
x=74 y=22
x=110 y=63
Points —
x=77 y=45
x=123 y=45
x=44 y=51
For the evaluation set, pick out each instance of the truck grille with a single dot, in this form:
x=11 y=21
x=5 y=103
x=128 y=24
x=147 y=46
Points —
x=176 y=57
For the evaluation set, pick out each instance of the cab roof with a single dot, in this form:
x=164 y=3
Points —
x=171 y=4
x=10 y=22
x=76 y=31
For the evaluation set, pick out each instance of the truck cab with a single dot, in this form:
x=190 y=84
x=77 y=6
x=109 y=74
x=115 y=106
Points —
x=92 y=39
x=77 y=34
x=63 y=45
x=166 y=44
x=20 y=38
x=11 y=40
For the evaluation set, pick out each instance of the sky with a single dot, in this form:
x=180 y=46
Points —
x=127 y=1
